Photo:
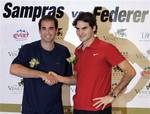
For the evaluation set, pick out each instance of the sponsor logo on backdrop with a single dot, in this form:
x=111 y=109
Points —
x=121 y=33
x=146 y=72
x=145 y=36
x=15 y=88
x=125 y=54
x=140 y=56
x=13 y=53
x=72 y=89
x=33 y=12
x=148 y=86
x=145 y=92
x=148 y=54
x=21 y=35
x=111 y=38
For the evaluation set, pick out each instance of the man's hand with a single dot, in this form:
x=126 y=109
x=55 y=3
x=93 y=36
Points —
x=64 y=79
x=57 y=77
x=48 y=78
x=102 y=101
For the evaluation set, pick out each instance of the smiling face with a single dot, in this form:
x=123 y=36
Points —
x=48 y=31
x=84 y=31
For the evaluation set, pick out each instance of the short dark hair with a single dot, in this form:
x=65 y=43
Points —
x=48 y=17
x=86 y=17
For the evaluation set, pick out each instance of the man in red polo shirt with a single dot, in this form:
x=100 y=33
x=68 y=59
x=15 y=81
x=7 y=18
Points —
x=95 y=59
x=93 y=68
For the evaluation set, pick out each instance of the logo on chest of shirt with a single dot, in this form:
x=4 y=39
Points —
x=95 y=54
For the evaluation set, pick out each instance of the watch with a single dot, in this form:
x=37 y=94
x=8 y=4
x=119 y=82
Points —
x=112 y=95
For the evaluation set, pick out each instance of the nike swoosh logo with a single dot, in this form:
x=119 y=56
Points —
x=94 y=54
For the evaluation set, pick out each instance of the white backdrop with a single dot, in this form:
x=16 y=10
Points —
x=17 y=30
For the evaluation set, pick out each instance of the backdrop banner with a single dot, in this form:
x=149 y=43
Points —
x=124 y=23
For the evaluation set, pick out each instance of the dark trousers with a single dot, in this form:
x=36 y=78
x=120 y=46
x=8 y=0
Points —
x=105 y=111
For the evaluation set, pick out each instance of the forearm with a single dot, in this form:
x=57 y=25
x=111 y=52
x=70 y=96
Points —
x=122 y=84
x=22 y=71
x=127 y=77
x=67 y=80
x=128 y=73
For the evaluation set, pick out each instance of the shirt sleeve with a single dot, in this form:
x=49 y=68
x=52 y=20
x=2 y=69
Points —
x=22 y=57
x=113 y=56
x=75 y=65
x=68 y=70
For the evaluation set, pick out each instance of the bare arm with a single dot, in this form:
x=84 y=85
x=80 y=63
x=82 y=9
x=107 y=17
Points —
x=71 y=80
x=129 y=73
x=68 y=80
x=25 y=72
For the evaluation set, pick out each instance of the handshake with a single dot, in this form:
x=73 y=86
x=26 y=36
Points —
x=50 y=78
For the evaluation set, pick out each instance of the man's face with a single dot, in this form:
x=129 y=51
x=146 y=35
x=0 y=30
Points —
x=84 y=31
x=48 y=31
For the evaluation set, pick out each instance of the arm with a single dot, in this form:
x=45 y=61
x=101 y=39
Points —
x=25 y=72
x=67 y=80
x=129 y=73
x=71 y=80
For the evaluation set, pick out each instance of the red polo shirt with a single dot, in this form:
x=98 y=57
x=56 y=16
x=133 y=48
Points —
x=94 y=67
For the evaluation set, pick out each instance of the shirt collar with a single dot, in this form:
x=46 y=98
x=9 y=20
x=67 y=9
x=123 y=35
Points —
x=94 y=44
